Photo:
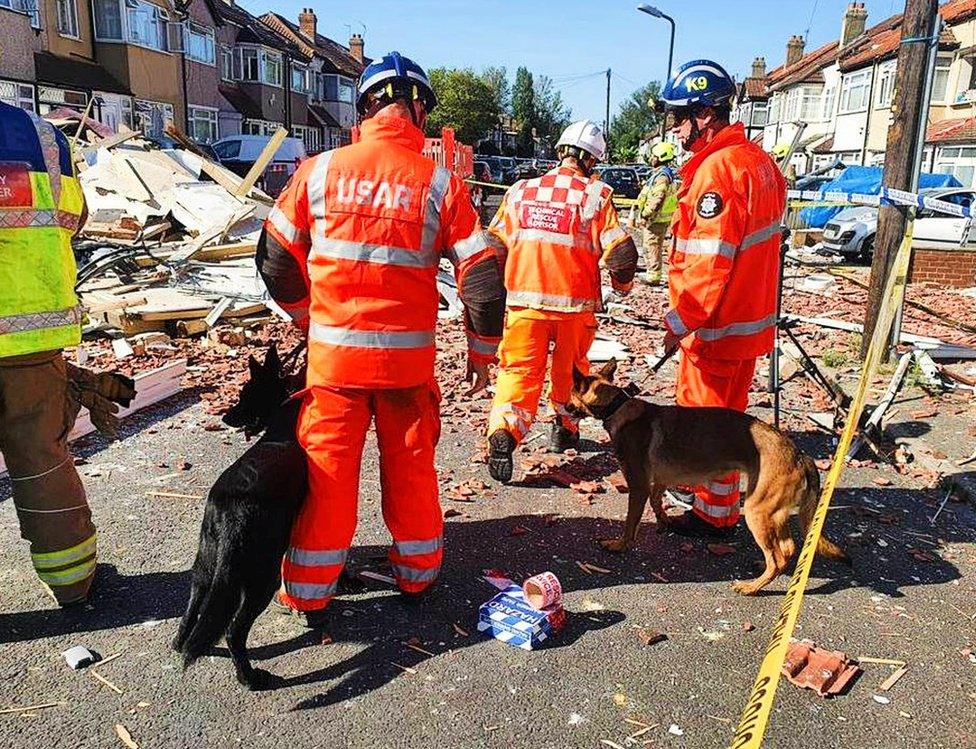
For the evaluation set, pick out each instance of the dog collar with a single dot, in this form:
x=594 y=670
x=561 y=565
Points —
x=616 y=404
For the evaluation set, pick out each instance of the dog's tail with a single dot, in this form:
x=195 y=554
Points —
x=220 y=602
x=808 y=505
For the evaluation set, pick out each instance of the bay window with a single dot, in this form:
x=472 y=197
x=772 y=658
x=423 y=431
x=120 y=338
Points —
x=338 y=88
x=299 y=79
x=886 y=84
x=271 y=68
x=855 y=89
x=200 y=43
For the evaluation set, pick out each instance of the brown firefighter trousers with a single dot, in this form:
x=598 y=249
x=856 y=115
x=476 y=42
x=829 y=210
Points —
x=36 y=415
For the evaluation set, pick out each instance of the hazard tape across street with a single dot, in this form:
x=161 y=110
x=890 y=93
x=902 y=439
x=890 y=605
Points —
x=755 y=716
x=888 y=196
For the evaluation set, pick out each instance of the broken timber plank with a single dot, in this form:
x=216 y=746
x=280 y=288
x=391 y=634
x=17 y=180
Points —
x=257 y=169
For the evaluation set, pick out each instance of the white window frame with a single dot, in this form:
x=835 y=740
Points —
x=226 y=63
x=271 y=61
x=952 y=159
x=20 y=95
x=966 y=86
x=29 y=8
x=305 y=73
x=50 y=98
x=67 y=18
x=253 y=53
x=828 y=103
x=206 y=34
x=775 y=108
x=886 y=84
x=161 y=19
x=99 y=32
x=943 y=66
x=310 y=136
x=759 y=108
x=341 y=83
x=259 y=127
x=859 y=81
x=197 y=113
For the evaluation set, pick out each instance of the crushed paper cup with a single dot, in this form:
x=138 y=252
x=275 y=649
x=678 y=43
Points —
x=543 y=591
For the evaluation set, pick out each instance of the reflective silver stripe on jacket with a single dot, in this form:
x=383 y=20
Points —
x=379 y=254
x=412 y=575
x=432 y=214
x=485 y=348
x=674 y=321
x=40 y=320
x=761 y=235
x=541 y=235
x=415 y=548
x=310 y=591
x=285 y=227
x=612 y=235
x=716 y=511
x=395 y=339
x=705 y=247
x=317 y=180
x=594 y=199
x=533 y=298
x=468 y=248
x=317 y=558
x=721 y=489
x=736 y=328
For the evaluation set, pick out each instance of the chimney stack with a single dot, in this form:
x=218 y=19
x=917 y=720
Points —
x=794 y=49
x=356 y=46
x=306 y=24
x=758 y=68
x=855 y=19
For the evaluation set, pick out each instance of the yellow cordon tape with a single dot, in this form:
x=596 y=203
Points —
x=755 y=717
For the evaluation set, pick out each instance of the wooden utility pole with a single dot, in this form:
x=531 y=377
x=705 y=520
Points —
x=909 y=109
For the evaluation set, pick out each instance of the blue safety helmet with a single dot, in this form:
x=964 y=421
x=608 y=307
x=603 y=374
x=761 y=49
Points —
x=392 y=77
x=700 y=83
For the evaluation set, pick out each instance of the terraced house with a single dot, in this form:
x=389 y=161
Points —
x=843 y=91
x=207 y=65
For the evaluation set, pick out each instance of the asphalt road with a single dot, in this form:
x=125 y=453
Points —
x=347 y=685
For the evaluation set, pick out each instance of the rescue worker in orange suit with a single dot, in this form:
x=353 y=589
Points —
x=724 y=266
x=351 y=251
x=553 y=232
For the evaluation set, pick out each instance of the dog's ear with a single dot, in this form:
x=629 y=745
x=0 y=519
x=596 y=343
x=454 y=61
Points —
x=272 y=363
x=607 y=370
x=253 y=366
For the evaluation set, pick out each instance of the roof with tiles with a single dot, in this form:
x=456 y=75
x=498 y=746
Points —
x=334 y=53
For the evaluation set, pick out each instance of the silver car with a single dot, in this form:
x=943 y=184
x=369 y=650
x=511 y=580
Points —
x=851 y=232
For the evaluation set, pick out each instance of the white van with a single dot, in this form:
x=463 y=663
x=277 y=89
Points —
x=239 y=152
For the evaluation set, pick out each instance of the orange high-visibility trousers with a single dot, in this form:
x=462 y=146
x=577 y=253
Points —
x=716 y=382
x=332 y=429
x=522 y=359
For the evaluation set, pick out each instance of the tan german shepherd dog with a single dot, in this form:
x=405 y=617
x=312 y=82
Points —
x=665 y=446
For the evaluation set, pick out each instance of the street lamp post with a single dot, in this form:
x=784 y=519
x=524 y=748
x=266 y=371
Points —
x=652 y=11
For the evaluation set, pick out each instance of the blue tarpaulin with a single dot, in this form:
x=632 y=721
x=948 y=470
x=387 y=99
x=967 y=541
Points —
x=864 y=180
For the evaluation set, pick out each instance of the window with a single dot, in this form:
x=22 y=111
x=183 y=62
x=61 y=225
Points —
x=151 y=117
x=774 y=106
x=271 y=68
x=108 y=20
x=17 y=94
x=203 y=124
x=827 y=103
x=802 y=103
x=299 y=79
x=68 y=18
x=855 y=89
x=940 y=81
x=147 y=24
x=226 y=63
x=886 y=84
x=338 y=88
x=28 y=7
x=259 y=127
x=246 y=64
x=200 y=43
x=49 y=99
x=967 y=83
x=760 y=113
x=311 y=137
x=959 y=161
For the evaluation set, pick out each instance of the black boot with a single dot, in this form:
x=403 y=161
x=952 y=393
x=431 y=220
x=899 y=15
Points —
x=501 y=445
x=692 y=526
x=562 y=439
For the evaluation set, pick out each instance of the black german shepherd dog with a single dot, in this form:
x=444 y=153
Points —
x=247 y=522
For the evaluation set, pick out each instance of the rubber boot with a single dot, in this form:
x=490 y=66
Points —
x=562 y=439
x=501 y=445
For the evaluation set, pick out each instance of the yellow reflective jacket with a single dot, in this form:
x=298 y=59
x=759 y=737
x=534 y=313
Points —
x=41 y=204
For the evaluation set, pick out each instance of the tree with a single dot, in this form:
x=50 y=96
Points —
x=497 y=80
x=635 y=122
x=551 y=114
x=465 y=102
x=524 y=111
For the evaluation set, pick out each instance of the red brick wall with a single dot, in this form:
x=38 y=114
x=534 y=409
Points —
x=944 y=267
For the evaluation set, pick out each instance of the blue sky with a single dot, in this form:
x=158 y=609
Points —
x=569 y=39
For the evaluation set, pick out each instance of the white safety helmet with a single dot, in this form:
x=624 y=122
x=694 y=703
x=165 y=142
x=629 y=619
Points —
x=586 y=136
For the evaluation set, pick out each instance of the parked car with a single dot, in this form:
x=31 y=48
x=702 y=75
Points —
x=494 y=166
x=623 y=180
x=852 y=231
x=482 y=172
x=508 y=165
x=239 y=152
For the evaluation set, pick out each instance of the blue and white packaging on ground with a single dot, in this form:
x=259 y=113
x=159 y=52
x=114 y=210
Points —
x=508 y=617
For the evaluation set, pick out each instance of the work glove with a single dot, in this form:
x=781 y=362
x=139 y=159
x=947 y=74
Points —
x=101 y=393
